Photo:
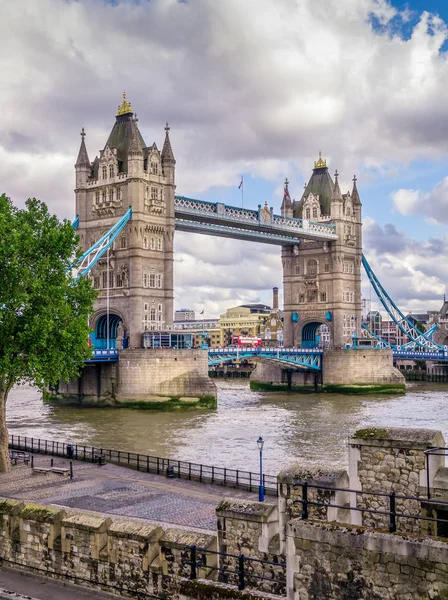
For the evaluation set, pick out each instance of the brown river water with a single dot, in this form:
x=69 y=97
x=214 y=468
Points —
x=308 y=429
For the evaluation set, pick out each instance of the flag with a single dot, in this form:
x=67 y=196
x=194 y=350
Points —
x=241 y=183
x=287 y=193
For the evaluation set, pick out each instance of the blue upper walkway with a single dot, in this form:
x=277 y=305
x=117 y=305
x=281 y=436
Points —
x=260 y=225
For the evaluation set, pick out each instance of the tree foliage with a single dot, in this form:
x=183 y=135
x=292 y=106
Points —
x=43 y=310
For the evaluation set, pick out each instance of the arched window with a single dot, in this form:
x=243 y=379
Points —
x=103 y=196
x=152 y=280
x=123 y=242
x=97 y=197
x=159 y=281
x=118 y=194
x=159 y=243
x=152 y=243
x=152 y=314
x=311 y=267
x=307 y=214
x=111 y=171
x=145 y=243
x=104 y=172
x=154 y=168
x=314 y=212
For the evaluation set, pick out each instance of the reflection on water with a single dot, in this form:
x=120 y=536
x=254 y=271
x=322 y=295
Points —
x=309 y=428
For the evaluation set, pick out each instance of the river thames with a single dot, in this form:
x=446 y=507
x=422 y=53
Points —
x=305 y=429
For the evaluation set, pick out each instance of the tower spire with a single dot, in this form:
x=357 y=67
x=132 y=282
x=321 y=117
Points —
x=355 y=195
x=135 y=146
x=83 y=157
x=286 y=208
x=336 y=195
x=167 y=151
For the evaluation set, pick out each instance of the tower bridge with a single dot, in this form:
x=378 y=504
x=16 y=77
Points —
x=128 y=212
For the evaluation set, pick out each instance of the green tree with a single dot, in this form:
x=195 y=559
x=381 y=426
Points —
x=43 y=311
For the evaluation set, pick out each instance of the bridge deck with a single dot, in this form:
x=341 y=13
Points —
x=254 y=225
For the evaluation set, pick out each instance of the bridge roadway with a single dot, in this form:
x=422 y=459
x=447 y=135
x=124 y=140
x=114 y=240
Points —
x=306 y=358
x=260 y=225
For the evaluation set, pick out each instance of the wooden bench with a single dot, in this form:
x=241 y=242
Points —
x=61 y=470
x=19 y=456
x=42 y=469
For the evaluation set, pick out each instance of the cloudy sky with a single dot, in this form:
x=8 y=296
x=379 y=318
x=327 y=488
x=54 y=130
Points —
x=253 y=88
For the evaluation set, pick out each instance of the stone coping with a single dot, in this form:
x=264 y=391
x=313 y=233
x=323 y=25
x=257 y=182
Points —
x=417 y=439
x=87 y=522
x=245 y=509
x=144 y=532
x=8 y=506
x=41 y=513
x=313 y=474
x=364 y=538
x=179 y=538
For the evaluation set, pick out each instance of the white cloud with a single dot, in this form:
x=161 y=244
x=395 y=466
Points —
x=254 y=86
x=433 y=204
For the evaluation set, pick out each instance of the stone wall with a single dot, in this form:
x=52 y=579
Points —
x=290 y=501
x=251 y=529
x=393 y=459
x=335 y=562
x=353 y=371
x=361 y=367
x=147 y=378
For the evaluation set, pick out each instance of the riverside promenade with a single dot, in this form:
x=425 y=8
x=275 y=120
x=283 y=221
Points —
x=115 y=490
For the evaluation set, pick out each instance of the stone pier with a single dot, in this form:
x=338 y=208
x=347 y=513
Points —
x=362 y=370
x=157 y=378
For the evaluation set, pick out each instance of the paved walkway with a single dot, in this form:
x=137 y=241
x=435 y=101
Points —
x=111 y=489
x=17 y=585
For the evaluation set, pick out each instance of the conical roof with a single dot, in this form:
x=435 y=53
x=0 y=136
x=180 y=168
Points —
x=135 y=146
x=355 y=195
x=336 y=195
x=167 y=151
x=125 y=131
x=320 y=184
x=83 y=157
x=444 y=309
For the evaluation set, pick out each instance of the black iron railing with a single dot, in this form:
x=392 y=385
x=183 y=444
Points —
x=237 y=569
x=169 y=467
x=391 y=501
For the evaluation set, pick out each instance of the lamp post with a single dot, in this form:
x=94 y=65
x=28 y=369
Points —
x=260 y=443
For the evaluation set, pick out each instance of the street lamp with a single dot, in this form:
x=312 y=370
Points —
x=260 y=443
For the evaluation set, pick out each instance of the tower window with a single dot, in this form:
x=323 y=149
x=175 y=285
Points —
x=145 y=280
x=119 y=280
x=152 y=280
x=103 y=196
x=118 y=194
x=154 y=168
x=314 y=212
x=311 y=267
x=152 y=314
x=104 y=172
x=111 y=171
x=152 y=243
x=96 y=282
x=154 y=193
x=323 y=296
x=123 y=242
x=307 y=214
x=97 y=197
x=327 y=268
x=145 y=243
x=159 y=243
x=159 y=281
x=297 y=269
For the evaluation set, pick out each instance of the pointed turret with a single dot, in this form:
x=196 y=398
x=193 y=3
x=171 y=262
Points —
x=83 y=167
x=83 y=157
x=286 y=209
x=135 y=146
x=355 y=195
x=337 y=202
x=336 y=195
x=167 y=151
x=168 y=160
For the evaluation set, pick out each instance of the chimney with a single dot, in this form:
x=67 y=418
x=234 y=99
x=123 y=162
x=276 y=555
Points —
x=275 y=299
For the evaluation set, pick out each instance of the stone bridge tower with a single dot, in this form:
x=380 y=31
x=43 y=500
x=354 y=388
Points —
x=322 y=280
x=139 y=269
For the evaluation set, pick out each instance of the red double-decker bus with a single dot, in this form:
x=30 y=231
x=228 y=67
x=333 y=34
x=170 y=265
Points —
x=246 y=340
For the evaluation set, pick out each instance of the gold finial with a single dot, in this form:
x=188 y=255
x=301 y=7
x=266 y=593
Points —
x=125 y=107
x=321 y=163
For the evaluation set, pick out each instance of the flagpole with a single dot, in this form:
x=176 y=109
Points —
x=242 y=192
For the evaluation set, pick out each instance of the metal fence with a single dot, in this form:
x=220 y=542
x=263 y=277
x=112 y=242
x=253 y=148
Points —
x=237 y=569
x=169 y=467
x=391 y=514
